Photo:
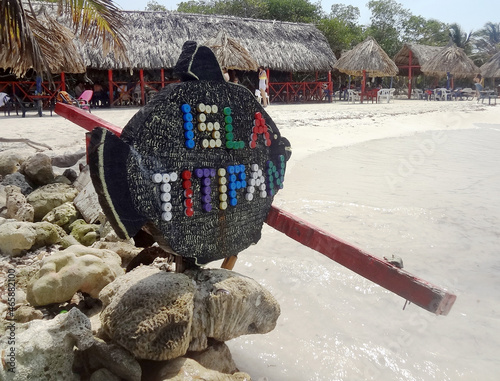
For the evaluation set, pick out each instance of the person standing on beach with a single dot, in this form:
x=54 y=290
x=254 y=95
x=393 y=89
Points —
x=479 y=86
x=263 y=85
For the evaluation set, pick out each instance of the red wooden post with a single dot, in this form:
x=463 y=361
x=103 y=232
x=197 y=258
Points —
x=330 y=84
x=162 y=73
x=410 y=68
x=63 y=81
x=423 y=294
x=363 y=84
x=141 y=78
x=110 y=80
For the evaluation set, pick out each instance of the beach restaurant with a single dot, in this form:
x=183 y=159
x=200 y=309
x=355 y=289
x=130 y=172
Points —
x=296 y=56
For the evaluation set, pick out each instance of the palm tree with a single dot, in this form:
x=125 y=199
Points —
x=459 y=37
x=488 y=38
x=31 y=38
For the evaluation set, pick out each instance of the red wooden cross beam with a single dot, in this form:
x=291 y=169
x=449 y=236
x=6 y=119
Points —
x=423 y=294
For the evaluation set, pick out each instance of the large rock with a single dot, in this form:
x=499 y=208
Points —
x=17 y=206
x=115 y=359
x=19 y=180
x=77 y=268
x=84 y=233
x=159 y=316
x=45 y=351
x=125 y=250
x=11 y=161
x=38 y=169
x=46 y=198
x=63 y=215
x=183 y=369
x=149 y=312
x=17 y=237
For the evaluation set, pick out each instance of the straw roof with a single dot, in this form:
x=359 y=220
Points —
x=56 y=42
x=367 y=56
x=451 y=59
x=491 y=69
x=420 y=55
x=230 y=53
x=156 y=39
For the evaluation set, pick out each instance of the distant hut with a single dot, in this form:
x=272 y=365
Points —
x=451 y=60
x=367 y=58
x=230 y=53
x=410 y=59
x=491 y=69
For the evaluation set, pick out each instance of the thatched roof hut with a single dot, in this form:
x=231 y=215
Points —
x=230 y=53
x=420 y=54
x=56 y=42
x=491 y=69
x=367 y=57
x=155 y=41
x=451 y=59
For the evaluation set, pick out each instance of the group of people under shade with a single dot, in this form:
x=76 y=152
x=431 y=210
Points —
x=263 y=82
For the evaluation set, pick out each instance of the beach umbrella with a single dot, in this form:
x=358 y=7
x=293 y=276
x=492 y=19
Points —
x=491 y=69
x=451 y=60
x=230 y=53
x=366 y=59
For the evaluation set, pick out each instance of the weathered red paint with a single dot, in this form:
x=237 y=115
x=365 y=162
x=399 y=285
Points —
x=423 y=294
x=84 y=118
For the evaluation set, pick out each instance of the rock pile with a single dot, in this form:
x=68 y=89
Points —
x=79 y=315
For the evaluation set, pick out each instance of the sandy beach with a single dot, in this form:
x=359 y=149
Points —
x=414 y=179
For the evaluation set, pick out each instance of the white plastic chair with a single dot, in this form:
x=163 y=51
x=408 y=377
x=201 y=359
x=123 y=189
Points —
x=353 y=95
x=385 y=94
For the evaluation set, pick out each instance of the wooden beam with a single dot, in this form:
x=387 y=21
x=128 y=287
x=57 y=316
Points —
x=423 y=294
x=84 y=118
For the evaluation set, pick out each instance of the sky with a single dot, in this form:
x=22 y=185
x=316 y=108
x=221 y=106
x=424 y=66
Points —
x=470 y=15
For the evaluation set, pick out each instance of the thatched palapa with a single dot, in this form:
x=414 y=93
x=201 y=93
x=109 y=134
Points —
x=156 y=39
x=367 y=57
x=230 y=53
x=420 y=54
x=453 y=60
x=491 y=69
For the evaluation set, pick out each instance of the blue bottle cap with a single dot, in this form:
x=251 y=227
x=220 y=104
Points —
x=187 y=117
x=190 y=144
x=232 y=194
x=189 y=135
x=188 y=126
x=185 y=108
x=233 y=201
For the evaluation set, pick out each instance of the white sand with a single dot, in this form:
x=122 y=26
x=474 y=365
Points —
x=412 y=178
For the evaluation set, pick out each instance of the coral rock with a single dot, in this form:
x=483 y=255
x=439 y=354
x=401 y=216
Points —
x=17 y=237
x=19 y=180
x=44 y=352
x=62 y=215
x=46 y=198
x=17 y=206
x=229 y=305
x=84 y=233
x=183 y=369
x=159 y=316
x=38 y=169
x=10 y=161
x=77 y=268
x=149 y=312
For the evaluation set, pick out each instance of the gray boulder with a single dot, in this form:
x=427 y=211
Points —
x=45 y=351
x=11 y=161
x=19 y=180
x=38 y=169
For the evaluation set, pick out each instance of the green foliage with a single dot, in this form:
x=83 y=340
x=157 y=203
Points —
x=460 y=38
x=427 y=32
x=282 y=10
x=153 y=5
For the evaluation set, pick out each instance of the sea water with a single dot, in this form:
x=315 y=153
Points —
x=431 y=199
